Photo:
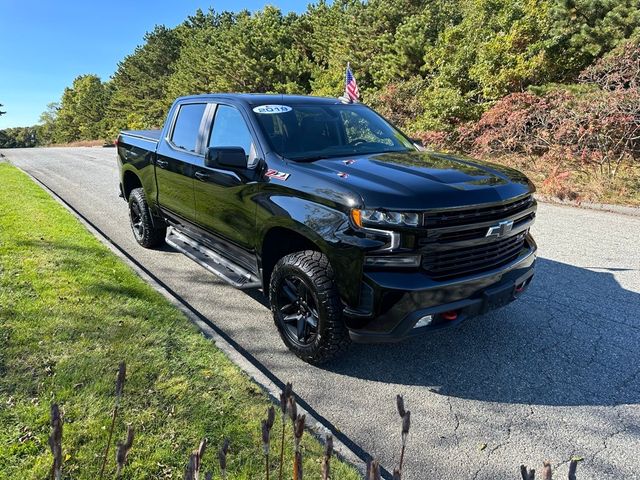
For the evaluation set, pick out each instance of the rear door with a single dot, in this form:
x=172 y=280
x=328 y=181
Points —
x=177 y=156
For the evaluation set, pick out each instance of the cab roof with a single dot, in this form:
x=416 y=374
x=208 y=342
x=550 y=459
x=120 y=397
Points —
x=253 y=99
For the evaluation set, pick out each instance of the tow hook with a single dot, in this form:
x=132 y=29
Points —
x=449 y=316
x=521 y=287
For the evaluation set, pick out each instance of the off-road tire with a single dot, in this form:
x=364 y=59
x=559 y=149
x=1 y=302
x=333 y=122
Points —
x=147 y=234
x=332 y=337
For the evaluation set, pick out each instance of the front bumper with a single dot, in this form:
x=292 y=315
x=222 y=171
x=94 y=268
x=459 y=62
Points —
x=393 y=302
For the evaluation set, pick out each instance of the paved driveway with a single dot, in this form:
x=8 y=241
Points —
x=554 y=374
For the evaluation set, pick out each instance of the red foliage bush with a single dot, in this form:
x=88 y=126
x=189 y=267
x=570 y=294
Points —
x=597 y=130
x=400 y=101
x=436 y=140
x=618 y=70
x=601 y=130
x=518 y=123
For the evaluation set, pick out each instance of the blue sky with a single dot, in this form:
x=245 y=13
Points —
x=45 y=44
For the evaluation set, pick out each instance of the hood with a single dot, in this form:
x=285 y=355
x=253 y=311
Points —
x=420 y=180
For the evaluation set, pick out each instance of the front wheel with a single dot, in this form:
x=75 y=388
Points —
x=145 y=232
x=306 y=307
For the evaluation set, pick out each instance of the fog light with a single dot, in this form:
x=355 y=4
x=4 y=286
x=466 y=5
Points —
x=424 y=321
x=393 y=261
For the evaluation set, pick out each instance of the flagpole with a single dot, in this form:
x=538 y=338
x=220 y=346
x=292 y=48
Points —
x=346 y=94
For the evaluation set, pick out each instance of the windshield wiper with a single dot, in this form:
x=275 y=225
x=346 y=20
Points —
x=311 y=158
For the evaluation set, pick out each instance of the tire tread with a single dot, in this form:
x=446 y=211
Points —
x=334 y=339
x=152 y=236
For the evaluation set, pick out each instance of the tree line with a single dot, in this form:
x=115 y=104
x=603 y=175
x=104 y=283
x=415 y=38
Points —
x=430 y=65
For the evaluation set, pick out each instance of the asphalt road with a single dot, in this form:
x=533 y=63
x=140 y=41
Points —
x=555 y=374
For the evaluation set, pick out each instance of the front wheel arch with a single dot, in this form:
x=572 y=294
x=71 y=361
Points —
x=277 y=243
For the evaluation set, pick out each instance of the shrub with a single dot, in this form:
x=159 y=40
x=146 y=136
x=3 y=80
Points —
x=620 y=69
x=400 y=102
x=515 y=124
x=594 y=129
x=436 y=139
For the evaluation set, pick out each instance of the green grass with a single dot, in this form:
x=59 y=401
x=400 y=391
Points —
x=70 y=310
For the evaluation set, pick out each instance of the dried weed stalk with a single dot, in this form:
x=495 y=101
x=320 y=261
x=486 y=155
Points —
x=373 y=470
x=122 y=451
x=222 y=458
x=405 y=415
x=298 y=430
x=55 y=442
x=267 y=425
x=326 y=459
x=286 y=394
x=120 y=380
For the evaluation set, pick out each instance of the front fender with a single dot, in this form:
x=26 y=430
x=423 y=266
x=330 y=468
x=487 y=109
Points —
x=326 y=227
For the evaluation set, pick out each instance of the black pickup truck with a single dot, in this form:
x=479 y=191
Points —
x=352 y=230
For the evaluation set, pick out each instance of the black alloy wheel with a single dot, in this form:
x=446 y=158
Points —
x=297 y=310
x=136 y=221
x=146 y=233
x=307 y=308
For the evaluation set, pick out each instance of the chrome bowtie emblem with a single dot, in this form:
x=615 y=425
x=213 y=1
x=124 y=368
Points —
x=501 y=229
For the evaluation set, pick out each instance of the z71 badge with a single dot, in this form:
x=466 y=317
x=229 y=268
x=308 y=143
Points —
x=277 y=175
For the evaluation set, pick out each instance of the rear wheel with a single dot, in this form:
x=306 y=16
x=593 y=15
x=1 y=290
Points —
x=144 y=231
x=306 y=307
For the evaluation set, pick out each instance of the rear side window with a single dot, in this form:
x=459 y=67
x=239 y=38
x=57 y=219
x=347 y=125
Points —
x=230 y=130
x=187 y=126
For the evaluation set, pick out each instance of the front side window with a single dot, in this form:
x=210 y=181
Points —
x=187 y=126
x=310 y=132
x=230 y=130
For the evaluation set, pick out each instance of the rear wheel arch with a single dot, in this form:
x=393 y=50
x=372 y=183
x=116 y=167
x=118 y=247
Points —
x=130 y=181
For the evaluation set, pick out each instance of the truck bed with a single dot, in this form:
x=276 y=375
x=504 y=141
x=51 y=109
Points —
x=151 y=135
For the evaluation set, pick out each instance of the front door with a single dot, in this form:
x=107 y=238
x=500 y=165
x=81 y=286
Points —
x=223 y=197
x=176 y=161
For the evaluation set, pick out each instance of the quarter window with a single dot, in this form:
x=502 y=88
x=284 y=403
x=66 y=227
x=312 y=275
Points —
x=187 y=126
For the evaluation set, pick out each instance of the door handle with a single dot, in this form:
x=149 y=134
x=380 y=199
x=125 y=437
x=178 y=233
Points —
x=162 y=163
x=202 y=176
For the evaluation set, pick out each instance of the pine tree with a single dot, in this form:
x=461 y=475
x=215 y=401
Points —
x=138 y=98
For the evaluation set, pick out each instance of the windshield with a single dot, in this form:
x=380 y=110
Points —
x=311 y=132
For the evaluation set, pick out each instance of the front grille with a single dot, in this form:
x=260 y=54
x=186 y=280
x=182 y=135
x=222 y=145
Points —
x=454 y=242
x=479 y=232
x=449 y=218
x=478 y=258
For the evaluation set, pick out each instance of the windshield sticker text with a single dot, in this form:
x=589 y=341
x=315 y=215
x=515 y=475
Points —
x=271 y=109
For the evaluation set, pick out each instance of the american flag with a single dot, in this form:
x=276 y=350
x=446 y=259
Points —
x=351 y=87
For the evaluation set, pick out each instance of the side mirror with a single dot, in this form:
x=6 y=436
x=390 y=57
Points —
x=233 y=157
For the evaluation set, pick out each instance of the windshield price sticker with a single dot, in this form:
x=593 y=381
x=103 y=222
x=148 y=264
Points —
x=271 y=109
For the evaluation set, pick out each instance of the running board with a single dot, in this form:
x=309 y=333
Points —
x=212 y=261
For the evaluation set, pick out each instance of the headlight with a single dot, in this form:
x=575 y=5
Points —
x=379 y=218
